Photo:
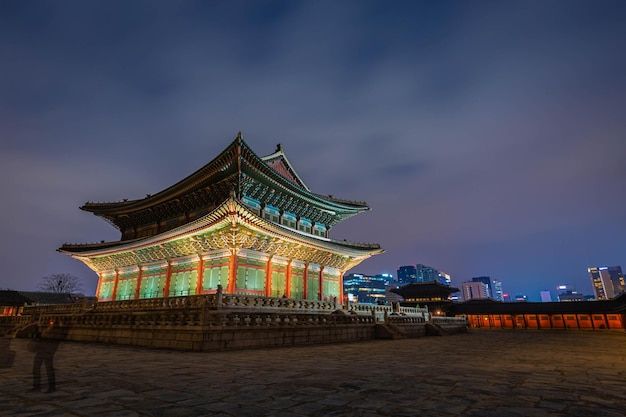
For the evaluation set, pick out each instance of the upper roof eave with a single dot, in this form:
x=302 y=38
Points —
x=330 y=202
x=201 y=175
x=360 y=205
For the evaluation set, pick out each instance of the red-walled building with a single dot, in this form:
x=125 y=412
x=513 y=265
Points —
x=583 y=315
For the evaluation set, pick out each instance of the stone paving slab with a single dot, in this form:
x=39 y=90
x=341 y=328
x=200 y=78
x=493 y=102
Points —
x=482 y=373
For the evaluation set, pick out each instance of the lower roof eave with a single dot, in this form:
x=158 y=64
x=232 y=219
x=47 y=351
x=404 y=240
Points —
x=230 y=212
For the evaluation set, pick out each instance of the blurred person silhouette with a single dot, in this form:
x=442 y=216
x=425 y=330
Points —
x=7 y=356
x=44 y=350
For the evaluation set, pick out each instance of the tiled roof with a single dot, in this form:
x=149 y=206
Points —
x=488 y=306
x=12 y=298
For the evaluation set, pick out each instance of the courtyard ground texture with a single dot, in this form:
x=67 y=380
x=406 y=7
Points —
x=480 y=373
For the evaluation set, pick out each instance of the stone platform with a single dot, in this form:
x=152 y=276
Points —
x=480 y=373
x=223 y=322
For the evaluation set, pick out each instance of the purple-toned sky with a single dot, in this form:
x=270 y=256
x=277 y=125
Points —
x=489 y=138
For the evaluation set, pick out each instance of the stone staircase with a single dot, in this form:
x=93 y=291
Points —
x=433 y=329
x=389 y=331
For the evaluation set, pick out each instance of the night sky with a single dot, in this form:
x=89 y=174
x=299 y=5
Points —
x=488 y=138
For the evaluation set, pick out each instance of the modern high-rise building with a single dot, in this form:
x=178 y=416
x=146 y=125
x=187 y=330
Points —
x=388 y=278
x=407 y=274
x=365 y=288
x=568 y=293
x=426 y=273
x=421 y=273
x=607 y=281
x=498 y=294
x=546 y=297
x=571 y=296
x=474 y=289
x=487 y=282
x=444 y=278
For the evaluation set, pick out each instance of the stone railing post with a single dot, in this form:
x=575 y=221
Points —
x=219 y=294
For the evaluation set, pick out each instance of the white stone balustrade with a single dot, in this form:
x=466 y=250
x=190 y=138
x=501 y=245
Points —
x=206 y=301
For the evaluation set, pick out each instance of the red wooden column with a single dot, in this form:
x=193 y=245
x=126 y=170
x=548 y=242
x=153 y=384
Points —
x=341 y=288
x=232 y=271
x=99 y=284
x=200 y=280
x=268 y=277
x=288 y=280
x=138 y=286
x=320 y=294
x=168 y=277
x=306 y=280
x=117 y=279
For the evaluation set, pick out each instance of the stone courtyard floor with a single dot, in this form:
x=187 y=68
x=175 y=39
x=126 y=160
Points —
x=481 y=373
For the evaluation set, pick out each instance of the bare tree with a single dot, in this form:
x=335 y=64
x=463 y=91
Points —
x=61 y=283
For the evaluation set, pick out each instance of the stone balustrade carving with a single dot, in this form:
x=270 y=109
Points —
x=254 y=301
x=164 y=303
x=14 y=320
x=404 y=319
x=185 y=318
x=448 y=320
x=190 y=302
x=381 y=309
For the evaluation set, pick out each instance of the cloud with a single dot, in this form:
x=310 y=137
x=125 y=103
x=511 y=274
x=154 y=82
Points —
x=466 y=128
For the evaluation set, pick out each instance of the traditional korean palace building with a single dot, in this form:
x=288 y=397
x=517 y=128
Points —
x=585 y=315
x=246 y=223
x=433 y=295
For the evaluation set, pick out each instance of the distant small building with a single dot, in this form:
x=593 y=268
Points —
x=588 y=315
x=546 y=297
x=433 y=295
x=12 y=303
x=570 y=295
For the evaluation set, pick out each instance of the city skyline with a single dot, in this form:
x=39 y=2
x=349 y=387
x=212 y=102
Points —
x=487 y=138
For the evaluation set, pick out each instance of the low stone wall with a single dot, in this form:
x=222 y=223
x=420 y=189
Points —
x=204 y=331
x=9 y=323
x=451 y=324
